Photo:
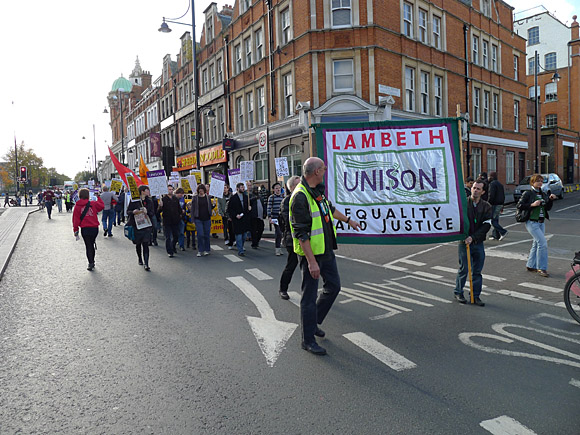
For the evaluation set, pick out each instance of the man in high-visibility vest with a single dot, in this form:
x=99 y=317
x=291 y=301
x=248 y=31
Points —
x=314 y=236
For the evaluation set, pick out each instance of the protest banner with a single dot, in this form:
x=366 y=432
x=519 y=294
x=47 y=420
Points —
x=247 y=170
x=133 y=189
x=157 y=181
x=197 y=174
x=185 y=185
x=192 y=183
x=234 y=177
x=93 y=194
x=174 y=179
x=108 y=183
x=216 y=187
x=116 y=185
x=217 y=226
x=401 y=180
x=282 y=167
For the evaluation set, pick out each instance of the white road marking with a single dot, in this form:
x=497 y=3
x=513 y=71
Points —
x=503 y=245
x=507 y=255
x=380 y=351
x=258 y=274
x=545 y=288
x=426 y=274
x=505 y=425
x=572 y=206
x=511 y=225
x=518 y=295
x=270 y=333
x=412 y=255
x=216 y=248
x=295 y=298
x=574 y=382
x=454 y=271
x=233 y=258
x=444 y=269
x=412 y=262
x=560 y=305
x=397 y=268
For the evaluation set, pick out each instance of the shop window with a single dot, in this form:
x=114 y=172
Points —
x=261 y=166
x=294 y=155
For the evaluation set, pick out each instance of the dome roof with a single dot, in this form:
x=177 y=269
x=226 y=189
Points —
x=122 y=83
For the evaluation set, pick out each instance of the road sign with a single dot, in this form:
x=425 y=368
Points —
x=263 y=141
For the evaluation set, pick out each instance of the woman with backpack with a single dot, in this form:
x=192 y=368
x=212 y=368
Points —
x=85 y=216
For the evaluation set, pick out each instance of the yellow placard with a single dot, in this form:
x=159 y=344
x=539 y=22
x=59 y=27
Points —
x=75 y=186
x=197 y=175
x=116 y=185
x=217 y=226
x=185 y=185
x=133 y=189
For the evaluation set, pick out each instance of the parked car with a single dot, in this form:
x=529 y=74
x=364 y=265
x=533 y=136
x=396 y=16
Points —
x=552 y=184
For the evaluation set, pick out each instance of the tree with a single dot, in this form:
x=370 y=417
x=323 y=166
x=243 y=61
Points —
x=84 y=176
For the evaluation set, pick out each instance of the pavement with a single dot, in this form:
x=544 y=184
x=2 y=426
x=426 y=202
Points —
x=12 y=221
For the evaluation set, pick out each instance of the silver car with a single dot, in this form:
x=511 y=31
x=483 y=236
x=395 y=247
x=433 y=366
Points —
x=552 y=184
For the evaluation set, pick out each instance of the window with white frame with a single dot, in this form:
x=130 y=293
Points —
x=531 y=123
x=550 y=60
x=207 y=134
x=239 y=160
x=259 y=41
x=204 y=81
x=551 y=92
x=181 y=97
x=343 y=75
x=422 y=25
x=211 y=76
x=245 y=5
x=533 y=36
x=476 y=105
x=510 y=167
x=495 y=109
x=491 y=161
x=191 y=89
x=250 y=109
x=486 y=8
x=209 y=29
x=294 y=156
x=485 y=107
x=248 y=51
x=238 y=58
x=341 y=13
x=551 y=120
x=408 y=19
x=240 y=113
x=494 y=57
x=187 y=92
x=261 y=105
x=531 y=65
x=516 y=115
x=288 y=95
x=220 y=71
x=516 y=67
x=410 y=89
x=222 y=120
x=424 y=92
x=475 y=50
x=476 y=160
x=261 y=166
x=213 y=124
x=438 y=94
x=484 y=53
x=436 y=27
x=286 y=26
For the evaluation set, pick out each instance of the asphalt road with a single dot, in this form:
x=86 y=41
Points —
x=198 y=345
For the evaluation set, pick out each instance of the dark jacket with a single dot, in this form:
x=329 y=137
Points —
x=136 y=205
x=195 y=206
x=284 y=222
x=479 y=219
x=529 y=196
x=171 y=210
x=496 y=193
x=236 y=207
x=120 y=206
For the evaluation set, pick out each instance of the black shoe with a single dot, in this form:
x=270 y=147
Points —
x=170 y=255
x=105 y=235
x=478 y=302
x=147 y=268
x=110 y=234
x=91 y=266
x=460 y=298
x=314 y=348
x=140 y=262
x=284 y=295
x=319 y=332
x=155 y=243
x=182 y=249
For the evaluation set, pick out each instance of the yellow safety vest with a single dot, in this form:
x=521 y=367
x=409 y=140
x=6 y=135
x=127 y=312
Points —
x=316 y=229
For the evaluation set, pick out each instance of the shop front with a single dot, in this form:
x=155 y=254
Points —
x=213 y=159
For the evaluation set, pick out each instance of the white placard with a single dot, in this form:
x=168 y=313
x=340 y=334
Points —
x=247 y=170
x=235 y=177
x=192 y=183
x=174 y=178
x=157 y=182
x=282 y=167
x=216 y=187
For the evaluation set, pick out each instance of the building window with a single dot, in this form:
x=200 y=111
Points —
x=245 y=5
x=238 y=58
x=259 y=39
x=220 y=71
x=436 y=31
x=286 y=31
x=239 y=160
x=551 y=92
x=551 y=120
x=531 y=123
x=516 y=67
x=494 y=57
x=476 y=96
x=476 y=157
x=423 y=26
x=509 y=167
x=533 y=36
x=192 y=89
x=341 y=13
x=486 y=8
x=484 y=54
x=485 y=107
x=181 y=97
x=204 y=81
x=408 y=19
x=491 y=161
x=209 y=30
x=288 y=100
x=294 y=157
x=516 y=116
x=438 y=88
x=531 y=64
x=250 y=106
x=424 y=93
x=495 y=109
x=261 y=166
x=248 y=51
x=475 y=50
x=222 y=120
x=550 y=61
x=410 y=88
x=240 y=110
x=261 y=106
x=207 y=137
x=343 y=75
x=211 y=77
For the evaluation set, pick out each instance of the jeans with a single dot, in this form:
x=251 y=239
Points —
x=58 y=204
x=89 y=235
x=313 y=311
x=171 y=232
x=291 y=264
x=120 y=217
x=498 y=230
x=181 y=236
x=278 y=235
x=240 y=239
x=48 y=205
x=203 y=233
x=477 y=252
x=538 y=258
x=108 y=218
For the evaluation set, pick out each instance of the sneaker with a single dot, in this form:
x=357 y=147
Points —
x=531 y=269
x=140 y=262
x=105 y=234
x=147 y=268
x=460 y=298
x=478 y=302
x=242 y=254
x=230 y=247
x=206 y=253
x=492 y=238
x=504 y=236
x=543 y=273
x=199 y=254
x=314 y=348
x=91 y=266
x=110 y=234
x=284 y=295
x=170 y=255
x=182 y=248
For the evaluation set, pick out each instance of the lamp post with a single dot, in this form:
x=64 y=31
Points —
x=555 y=79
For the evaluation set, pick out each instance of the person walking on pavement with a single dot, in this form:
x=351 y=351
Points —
x=109 y=212
x=479 y=213
x=222 y=208
x=143 y=235
x=155 y=222
x=314 y=240
x=48 y=201
x=482 y=177
x=120 y=206
x=239 y=212
x=273 y=213
x=284 y=223
x=256 y=218
x=85 y=216
x=58 y=196
x=171 y=209
x=179 y=192
x=496 y=198
x=537 y=203
x=201 y=215
x=6 y=199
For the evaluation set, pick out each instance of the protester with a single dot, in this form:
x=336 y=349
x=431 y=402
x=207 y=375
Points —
x=468 y=183
x=482 y=177
x=496 y=198
x=256 y=217
x=222 y=211
x=238 y=210
x=155 y=222
x=6 y=199
x=284 y=224
x=189 y=228
x=142 y=236
x=120 y=206
x=273 y=212
x=537 y=203
x=48 y=201
x=201 y=215
x=85 y=216
x=18 y=199
x=179 y=193
x=479 y=213
x=68 y=202
x=30 y=197
x=58 y=197
x=169 y=206
x=314 y=240
x=108 y=198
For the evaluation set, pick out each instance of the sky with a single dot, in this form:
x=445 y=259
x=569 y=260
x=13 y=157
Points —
x=60 y=59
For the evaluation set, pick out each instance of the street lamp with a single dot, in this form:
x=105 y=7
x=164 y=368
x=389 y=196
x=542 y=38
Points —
x=555 y=79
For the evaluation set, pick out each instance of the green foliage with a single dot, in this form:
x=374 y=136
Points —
x=84 y=176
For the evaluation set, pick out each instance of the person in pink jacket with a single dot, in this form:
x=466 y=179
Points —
x=85 y=216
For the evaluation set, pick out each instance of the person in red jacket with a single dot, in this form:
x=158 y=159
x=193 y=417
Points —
x=85 y=216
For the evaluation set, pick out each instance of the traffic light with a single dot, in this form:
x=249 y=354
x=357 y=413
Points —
x=23 y=173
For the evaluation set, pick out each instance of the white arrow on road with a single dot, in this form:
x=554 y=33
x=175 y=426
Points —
x=270 y=333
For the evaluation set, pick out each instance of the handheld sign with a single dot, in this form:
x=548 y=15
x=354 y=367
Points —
x=282 y=167
x=157 y=183
x=247 y=170
x=133 y=189
x=235 y=177
x=197 y=174
x=216 y=188
x=185 y=185
x=116 y=185
x=192 y=183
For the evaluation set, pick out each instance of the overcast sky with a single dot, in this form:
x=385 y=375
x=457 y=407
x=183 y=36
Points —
x=60 y=59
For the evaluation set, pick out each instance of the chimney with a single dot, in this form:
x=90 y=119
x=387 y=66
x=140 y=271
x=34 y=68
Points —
x=227 y=10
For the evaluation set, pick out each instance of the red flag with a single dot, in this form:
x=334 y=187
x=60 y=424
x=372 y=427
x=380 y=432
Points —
x=123 y=170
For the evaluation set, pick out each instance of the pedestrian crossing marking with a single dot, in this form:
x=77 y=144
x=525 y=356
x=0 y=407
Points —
x=381 y=352
x=258 y=274
x=574 y=382
x=216 y=248
x=546 y=288
x=393 y=267
x=233 y=258
x=505 y=425
x=454 y=271
x=427 y=274
x=411 y=262
x=518 y=295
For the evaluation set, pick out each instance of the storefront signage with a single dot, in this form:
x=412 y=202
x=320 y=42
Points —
x=208 y=156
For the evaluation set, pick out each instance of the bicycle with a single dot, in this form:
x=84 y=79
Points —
x=572 y=289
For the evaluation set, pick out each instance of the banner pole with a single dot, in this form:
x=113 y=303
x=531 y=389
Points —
x=310 y=144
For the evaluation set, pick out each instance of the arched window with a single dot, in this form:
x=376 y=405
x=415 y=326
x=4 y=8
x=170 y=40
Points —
x=239 y=159
x=294 y=155
x=261 y=166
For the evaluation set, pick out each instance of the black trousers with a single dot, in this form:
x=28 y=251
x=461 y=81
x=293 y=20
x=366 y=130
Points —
x=89 y=236
x=256 y=230
x=291 y=264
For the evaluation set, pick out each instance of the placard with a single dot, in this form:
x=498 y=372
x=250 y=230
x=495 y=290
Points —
x=247 y=170
x=235 y=177
x=157 y=183
x=116 y=185
x=185 y=185
x=192 y=183
x=197 y=174
x=93 y=195
x=133 y=189
x=282 y=167
x=108 y=184
x=216 y=188
x=174 y=178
